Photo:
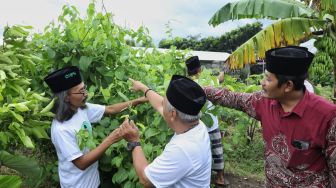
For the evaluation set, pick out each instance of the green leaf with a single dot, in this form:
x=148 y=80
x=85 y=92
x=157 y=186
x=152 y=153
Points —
x=39 y=132
x=106 y=93
x=123 y=96
x=273 y=9
x=48 y=107
x=5 y=59
x=120 y=176
x=16 y=116
x=150 y=132
x=84 y=63
x=207 y=120
x=10 y=181
x=129 y=184
x=26 y=166
x=51 y=53
x=2 y=75
x=3 y=138
x=20 y=106
x=120 y=74
x=148 y=149
x=117 y=161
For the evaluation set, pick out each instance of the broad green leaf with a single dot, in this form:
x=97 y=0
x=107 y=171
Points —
x=273 y=9
x=278 y=34
x=106 y=93
x=116 y=161
x=28 y=167
x=16 y=116
x=148 y=149
x=150 y=132
x=207 y=120
x=132 y=174
x=48 y=107
x=39 y=132
x=51 y=53
x=119 y=176
x=123 y=96
x=84 y=63
x=129 y=184
x=20 y=106
x=3 y=138
x=5 y=59
x=120 y=74
x=10 y=181
x=2 y=75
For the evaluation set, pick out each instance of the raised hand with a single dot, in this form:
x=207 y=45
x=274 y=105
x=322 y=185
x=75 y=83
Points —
x=114 y=136
x=137 y=85
x=130 y=131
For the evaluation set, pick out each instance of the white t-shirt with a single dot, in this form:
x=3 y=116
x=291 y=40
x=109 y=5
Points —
x=185 y=161
x=63 y=136
x=214 y=126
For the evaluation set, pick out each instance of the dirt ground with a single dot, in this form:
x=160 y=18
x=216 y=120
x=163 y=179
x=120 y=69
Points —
x=241 y=182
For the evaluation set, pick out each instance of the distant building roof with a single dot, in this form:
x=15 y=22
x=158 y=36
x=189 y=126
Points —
x=210 y=56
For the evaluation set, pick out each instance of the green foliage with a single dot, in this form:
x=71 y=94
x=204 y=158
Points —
x=22 y=123
x=225 y=43
x=100 y=49
x=319 y=71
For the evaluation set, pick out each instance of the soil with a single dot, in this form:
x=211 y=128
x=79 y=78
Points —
x=238 y=181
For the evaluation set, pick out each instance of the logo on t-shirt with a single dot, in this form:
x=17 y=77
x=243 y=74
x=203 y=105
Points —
x=87 y=127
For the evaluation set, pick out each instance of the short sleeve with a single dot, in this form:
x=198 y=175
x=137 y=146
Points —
x=95 y=112
x=66 y=143
x=169 y=167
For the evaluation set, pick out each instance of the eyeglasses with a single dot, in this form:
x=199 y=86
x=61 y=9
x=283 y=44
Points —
x=82 y=92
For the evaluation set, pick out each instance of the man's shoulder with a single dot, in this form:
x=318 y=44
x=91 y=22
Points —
x=317 y=101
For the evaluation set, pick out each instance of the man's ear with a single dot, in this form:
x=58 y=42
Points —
x=173 y=115
x=289 y=86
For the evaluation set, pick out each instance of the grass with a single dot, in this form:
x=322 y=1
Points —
x=246 y=160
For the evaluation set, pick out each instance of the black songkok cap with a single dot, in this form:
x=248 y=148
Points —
x=63 y=79
x=193 y=64
x=291 y=60
x=185 y=95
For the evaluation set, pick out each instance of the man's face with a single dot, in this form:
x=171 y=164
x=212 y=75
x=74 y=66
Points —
x=270 y=86
x=77 y=95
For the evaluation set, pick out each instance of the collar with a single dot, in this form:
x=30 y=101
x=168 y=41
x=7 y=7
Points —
x=298 y=109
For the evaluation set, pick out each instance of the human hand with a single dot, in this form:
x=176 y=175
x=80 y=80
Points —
x=130 y=131
x=137 y=85
x=142 y=100
x=114 y=136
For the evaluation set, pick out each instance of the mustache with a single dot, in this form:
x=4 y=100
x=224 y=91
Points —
x=84 y=100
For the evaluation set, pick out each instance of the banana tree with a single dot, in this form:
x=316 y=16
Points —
x=296 y=21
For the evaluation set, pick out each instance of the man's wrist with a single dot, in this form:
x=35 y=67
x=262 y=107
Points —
x=144 y=88
x=132 y=145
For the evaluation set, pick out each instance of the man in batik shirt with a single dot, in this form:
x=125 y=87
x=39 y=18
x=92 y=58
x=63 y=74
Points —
x=299 y=127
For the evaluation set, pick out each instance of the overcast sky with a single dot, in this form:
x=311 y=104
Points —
x=186 y=17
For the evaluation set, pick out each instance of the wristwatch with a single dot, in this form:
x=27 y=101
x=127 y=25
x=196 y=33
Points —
x=132 y=145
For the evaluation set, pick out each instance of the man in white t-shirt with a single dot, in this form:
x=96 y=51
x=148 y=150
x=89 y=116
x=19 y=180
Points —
x=186 y=159
x=78 y=168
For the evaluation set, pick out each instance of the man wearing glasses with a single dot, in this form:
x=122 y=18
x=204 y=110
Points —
x=78 y=167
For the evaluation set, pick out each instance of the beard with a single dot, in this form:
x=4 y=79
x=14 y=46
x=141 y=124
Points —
x=83 y=105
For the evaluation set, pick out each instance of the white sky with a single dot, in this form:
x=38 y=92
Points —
x=187 y=17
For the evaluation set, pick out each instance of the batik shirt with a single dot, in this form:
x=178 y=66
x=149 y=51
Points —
x=299 y=145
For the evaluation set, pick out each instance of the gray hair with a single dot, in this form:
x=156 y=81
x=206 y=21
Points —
x=62 y=108
x=183 y=116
